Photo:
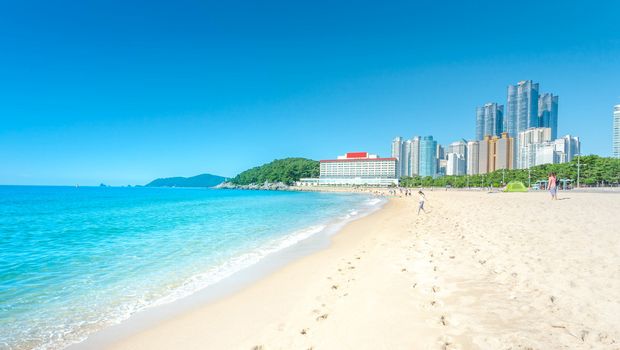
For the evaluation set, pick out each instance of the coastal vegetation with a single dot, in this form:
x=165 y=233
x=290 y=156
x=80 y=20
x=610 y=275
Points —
x=593 y=170
x=287 y=170
x=203 y=180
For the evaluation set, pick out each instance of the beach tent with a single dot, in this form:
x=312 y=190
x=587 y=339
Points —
x=516 y=186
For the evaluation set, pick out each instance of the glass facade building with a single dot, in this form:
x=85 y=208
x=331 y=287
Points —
x=489 y=120
x=548 y=113
x=521 y=108
x=428 y=156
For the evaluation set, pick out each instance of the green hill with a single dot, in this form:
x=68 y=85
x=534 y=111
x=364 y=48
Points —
x=203 y=180
x=286 y=170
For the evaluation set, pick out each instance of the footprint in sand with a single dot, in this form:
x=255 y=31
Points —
x=443 y=320
x=322 y=317
x=435 y=289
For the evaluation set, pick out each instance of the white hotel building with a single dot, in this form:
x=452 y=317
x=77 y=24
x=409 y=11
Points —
x=354 y=169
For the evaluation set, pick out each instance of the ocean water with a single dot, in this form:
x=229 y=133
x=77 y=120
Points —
x=75 y=260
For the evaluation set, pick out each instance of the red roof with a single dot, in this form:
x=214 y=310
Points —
x=354 y=160
x=357 y=155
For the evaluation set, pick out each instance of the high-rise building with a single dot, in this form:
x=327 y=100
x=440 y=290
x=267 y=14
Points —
x=441 y=151
x=460 y=149
x=473 y=157
x=442 y=164
x=397 y=147
x=495 y=153
x=503 y=152
x=415 y=156
x=529 y=141
x=428 y=156
x=567 y=148
x=489 y=120
x=483 y=155
x=455 y=164
x=548 y=113
x=521 y=108
x=440 y=156
x=405 y=162
x=616 y=132
x=407 y=152
x=536 y=147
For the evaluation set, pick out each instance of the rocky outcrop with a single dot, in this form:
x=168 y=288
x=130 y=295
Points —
x=269 y=186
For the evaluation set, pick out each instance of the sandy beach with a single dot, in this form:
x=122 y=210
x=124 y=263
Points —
x=479 y=271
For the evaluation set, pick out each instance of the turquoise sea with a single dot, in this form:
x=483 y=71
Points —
x=75 y=260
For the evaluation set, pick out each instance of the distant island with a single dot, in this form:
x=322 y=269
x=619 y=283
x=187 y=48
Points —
x=203 y=180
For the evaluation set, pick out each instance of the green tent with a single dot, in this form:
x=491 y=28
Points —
x=515 y=186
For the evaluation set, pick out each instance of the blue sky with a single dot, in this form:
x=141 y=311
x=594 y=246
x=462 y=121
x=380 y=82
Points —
x=124 y=92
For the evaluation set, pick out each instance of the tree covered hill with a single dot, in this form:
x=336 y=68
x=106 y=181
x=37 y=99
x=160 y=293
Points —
x=203 y=180
x=287 y=170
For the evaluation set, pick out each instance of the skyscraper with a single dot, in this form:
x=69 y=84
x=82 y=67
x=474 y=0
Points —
x=567 y=148
x=405 y=161
x=483 y=155
x=459 y=148
x=529 y=141
x=616 y=132
x=495 y=153
x=428 y=156
x=560 y=150
x=397 y=146
x=503 y=152
x=473 y=157
x=414 y=162
x=407 y=152
x=455 y=164
x=521 y=108
x=548 y=113
x=489 y=120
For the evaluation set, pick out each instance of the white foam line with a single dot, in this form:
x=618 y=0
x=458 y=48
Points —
x=236 y=264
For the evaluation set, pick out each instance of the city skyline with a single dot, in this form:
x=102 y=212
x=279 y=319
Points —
x=207 y=87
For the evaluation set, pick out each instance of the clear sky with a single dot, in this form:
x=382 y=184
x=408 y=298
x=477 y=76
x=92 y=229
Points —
x=124 y=92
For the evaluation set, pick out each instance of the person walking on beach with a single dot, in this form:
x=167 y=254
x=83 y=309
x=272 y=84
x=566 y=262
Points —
x=421 y=200
x=552 y=186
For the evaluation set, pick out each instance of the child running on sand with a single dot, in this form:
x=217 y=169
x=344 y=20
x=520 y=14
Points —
x=422 y=199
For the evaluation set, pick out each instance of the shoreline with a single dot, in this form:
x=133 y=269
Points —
x=229 y=285
x=480 y=271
